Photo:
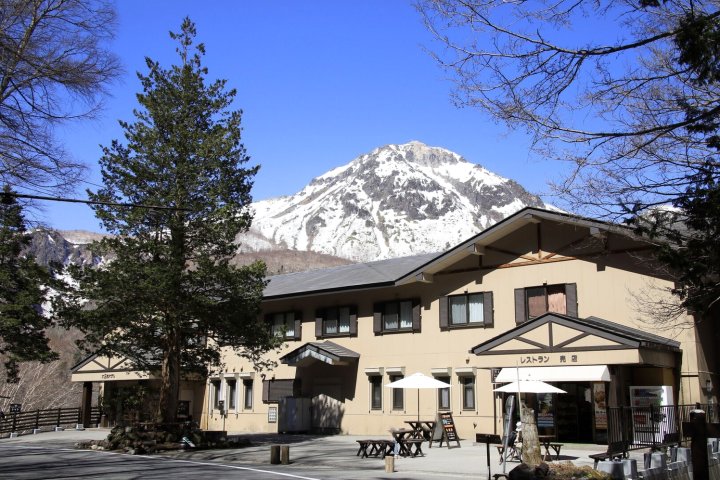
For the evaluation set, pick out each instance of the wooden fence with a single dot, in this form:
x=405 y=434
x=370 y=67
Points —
x=22 y=422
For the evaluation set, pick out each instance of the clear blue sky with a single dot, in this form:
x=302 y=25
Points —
x=320 y=82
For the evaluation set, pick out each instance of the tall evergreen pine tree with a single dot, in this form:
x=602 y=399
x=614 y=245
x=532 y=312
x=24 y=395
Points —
x=170 y=299
x=23 y=287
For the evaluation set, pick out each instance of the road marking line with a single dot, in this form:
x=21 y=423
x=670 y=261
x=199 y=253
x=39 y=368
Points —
x=165 y=459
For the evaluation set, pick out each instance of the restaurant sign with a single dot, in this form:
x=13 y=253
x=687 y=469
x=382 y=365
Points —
x=544 y=359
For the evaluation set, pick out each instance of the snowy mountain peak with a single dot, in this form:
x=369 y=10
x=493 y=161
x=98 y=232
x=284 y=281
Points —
x=396 y=200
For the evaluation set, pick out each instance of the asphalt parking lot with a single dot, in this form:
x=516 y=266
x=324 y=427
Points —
x=53 y=455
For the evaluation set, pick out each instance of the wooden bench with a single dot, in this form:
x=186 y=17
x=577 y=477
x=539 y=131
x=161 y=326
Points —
x=374 y=448
x=614 y=450
x=556 y=447
x=513 y=453
x=413 y=446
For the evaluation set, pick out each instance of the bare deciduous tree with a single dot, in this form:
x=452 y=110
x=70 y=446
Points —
x=605 y=85
x=41 y=386
x=54 y=67
x=44 y=386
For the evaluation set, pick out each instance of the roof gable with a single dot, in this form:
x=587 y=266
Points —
x=534 y=236
x=100 y=366
x=327 y=352
x=496 y=240
x=555 y=333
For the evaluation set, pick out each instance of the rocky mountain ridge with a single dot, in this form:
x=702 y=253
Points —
x=394 y=201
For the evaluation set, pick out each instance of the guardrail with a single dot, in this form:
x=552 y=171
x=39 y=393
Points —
x=22 y=422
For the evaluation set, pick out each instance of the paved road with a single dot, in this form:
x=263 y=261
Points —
x=24 y=461
x=52 y=455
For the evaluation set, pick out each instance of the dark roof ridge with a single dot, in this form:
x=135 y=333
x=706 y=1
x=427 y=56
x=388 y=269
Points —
x=649 y=337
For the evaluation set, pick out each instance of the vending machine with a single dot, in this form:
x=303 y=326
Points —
x=651 y=421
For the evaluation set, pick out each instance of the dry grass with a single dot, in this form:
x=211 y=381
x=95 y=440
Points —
x=568 y=471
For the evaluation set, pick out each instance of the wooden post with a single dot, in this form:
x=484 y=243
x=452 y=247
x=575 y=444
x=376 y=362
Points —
x=285 y=454
x=274 y=454
x=698 y=445
x=86 y=405
x=389 y=464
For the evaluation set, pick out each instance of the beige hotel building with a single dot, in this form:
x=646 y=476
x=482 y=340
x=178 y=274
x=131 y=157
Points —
x=542 y=295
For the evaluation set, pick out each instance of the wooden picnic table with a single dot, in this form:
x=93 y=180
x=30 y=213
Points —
x=423 y=428
x=547 y=441
x=374 y=448
x=409 y=445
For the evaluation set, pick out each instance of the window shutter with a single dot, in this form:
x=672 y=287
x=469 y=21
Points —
x=443 y=307
x=416 y=315
x=377 y=318
x=488 y=319
x=571 y=299
x=319 y=315
x=520 y=310
x=353 y=322
x=266 y=391
x=298 y=326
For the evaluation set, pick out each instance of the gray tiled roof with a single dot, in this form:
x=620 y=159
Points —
x=336 y=349
x=333 y=351
x=382 y=272
x=635 y=334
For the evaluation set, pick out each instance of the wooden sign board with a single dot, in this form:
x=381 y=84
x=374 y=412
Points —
x=445 y=430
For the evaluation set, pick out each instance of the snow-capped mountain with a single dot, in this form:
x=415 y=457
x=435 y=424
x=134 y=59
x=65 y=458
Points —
x=69 y=247
x=72 y=247
x=396 y=200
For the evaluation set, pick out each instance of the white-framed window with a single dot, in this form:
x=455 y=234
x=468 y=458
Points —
x=468 y=392
x=398 y=394
x=375 y=392
x=443 y=394
x=231 y=393
x=215 y=393
x=248 y=394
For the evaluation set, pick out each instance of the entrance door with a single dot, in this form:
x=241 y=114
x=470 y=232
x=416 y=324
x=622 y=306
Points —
x=574 y=413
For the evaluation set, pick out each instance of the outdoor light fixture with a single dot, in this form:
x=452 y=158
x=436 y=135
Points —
x=708 y=386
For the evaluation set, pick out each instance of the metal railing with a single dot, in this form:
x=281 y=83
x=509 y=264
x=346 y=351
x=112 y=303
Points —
x=22 y=422
x=653 y=426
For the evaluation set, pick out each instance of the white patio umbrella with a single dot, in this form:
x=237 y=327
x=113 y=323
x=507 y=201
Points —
x=529 y=386
x=418 y=380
